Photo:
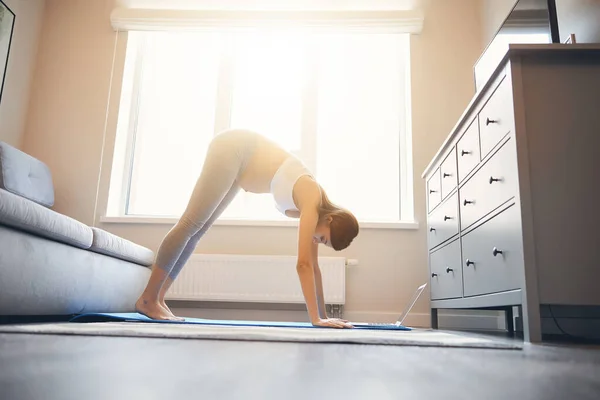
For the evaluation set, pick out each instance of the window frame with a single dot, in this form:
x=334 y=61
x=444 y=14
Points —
x=308 y=153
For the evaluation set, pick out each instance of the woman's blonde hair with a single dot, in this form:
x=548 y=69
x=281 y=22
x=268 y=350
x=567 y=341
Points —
x=343 y=226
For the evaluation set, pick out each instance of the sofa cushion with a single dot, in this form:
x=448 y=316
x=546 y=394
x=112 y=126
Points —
x=25 y=215
x=25 y=176
x=115 y=246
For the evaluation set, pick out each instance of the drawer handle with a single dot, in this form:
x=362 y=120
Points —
x=432 y=191
x=433 y=275
x=496 y=252
x=469 y=262
x=448 y=270
x=431 y=229
x=492 y=180
x=467 y=202
x=490 y=121
x=446 y=175
x=446 y=218
x=464 y=152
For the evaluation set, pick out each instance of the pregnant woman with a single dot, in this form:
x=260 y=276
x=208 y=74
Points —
x=241 y=159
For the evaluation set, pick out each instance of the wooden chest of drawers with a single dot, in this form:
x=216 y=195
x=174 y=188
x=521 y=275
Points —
x=510 y=191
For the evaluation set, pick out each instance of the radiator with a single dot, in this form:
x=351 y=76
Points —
x=254 y=278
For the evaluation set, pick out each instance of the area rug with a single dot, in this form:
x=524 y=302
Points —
x=415 y=337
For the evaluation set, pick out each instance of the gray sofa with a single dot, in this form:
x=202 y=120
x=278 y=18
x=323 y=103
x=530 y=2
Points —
x=51 y=264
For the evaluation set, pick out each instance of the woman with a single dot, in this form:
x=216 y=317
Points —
x=244 y=159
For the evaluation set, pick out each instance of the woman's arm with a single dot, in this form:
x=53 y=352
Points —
x=307 y=196
x=306 y=271
x=305 y=266
x=318 y=281
x=319 y=285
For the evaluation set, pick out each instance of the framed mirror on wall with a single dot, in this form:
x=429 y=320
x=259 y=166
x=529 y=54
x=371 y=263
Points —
x=7 y=25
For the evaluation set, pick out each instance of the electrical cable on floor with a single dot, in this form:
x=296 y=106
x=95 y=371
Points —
x=566 y=333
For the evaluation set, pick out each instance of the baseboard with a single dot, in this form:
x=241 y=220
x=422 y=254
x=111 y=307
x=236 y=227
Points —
x=242 y=314
x=412 y=319
x=477 y=322
x=423 y=320
x=230 y=305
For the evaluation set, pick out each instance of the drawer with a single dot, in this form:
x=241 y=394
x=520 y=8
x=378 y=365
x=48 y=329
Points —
x=446 y=272
x=434 y=190
x=448 y=174
x=467 y=151
x=492 y=255
x=496 y=118
x=443 y=222
x=490 y=187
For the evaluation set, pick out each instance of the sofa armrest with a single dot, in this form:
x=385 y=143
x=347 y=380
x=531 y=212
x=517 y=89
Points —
x=25 y=176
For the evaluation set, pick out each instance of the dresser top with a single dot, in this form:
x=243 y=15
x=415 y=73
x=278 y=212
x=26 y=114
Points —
x=514 y=50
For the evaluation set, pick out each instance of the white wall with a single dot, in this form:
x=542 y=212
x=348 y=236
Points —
x=494 y=12
x=579 y=17
x=21 y=64
x=76 y=60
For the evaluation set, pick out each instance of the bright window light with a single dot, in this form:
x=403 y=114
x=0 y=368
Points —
x=359 y=123
x=336 y=100
x=174 y=119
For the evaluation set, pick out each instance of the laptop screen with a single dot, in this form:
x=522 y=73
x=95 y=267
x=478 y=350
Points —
x=411 y=303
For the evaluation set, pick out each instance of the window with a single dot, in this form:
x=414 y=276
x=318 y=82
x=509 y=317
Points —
x=336 y=100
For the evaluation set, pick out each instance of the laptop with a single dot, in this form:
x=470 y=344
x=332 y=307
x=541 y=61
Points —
x=398 y=323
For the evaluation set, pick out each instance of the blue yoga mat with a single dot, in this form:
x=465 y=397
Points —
x=136 y=317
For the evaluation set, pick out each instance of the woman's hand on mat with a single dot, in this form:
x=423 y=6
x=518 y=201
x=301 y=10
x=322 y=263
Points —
x=332 y=323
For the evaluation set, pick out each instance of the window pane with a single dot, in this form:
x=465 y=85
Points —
x=267 y=97
x=358 y=91
x=267 y=86
x=175 y=119
x=360 y=109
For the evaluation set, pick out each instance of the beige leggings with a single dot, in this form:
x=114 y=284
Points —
x=227 y=157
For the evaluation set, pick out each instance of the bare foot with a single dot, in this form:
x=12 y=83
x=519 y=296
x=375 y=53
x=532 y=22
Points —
x=153 y=309
x=167 y=309
x=165 y=306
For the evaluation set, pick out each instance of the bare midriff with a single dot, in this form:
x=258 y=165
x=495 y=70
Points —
x=266 y=160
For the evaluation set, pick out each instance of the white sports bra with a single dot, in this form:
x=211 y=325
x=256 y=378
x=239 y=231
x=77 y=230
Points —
x=282 y=184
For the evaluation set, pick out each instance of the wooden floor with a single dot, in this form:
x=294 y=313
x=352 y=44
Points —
x=76 y=367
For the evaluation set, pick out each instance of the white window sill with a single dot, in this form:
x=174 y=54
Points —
x=400 y=225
